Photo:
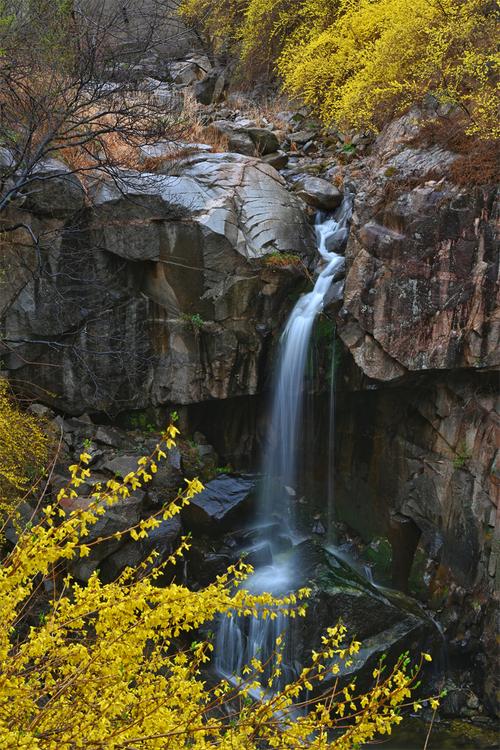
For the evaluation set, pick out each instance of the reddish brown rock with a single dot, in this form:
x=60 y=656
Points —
x=422 y=283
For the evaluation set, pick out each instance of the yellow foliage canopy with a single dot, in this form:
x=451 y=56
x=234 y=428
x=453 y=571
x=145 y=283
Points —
x=113 y=666
x=359 y=62
x=23 y=449
x=381 y=56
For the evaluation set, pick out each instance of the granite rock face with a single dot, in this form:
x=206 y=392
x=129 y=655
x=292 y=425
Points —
x=159 y=291
x=417 y=465
x=224 y=501
x=422 y=285
x=418 y=429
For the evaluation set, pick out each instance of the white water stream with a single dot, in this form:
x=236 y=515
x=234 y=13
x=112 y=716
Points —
x=241 y=639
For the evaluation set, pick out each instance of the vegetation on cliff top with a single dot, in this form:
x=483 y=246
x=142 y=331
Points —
x=359 y=62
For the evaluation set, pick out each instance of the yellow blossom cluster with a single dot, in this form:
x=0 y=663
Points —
x=118 y=666
x=23 y=450
x=359 y=62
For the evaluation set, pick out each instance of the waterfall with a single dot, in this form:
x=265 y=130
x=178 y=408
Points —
x=241 y=639
x=280 y=462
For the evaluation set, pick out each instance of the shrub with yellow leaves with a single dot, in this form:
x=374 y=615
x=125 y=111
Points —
x=359 y=62
x=379 y=57
x=110 y=666
x=23 y=450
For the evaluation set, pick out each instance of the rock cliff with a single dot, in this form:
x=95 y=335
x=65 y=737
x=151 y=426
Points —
x=422 y=288
x=418 y=433
x=157 y=291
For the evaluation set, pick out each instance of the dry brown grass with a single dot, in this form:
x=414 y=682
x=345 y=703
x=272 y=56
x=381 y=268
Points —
x=478 y=161
x=283 y=260
x=480 y=165
x=396 y=186
x=193 y=130
x=197 y=133
x=118 y=151
x=268 y=108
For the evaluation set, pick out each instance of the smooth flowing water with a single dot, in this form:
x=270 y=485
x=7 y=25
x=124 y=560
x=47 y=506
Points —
x=280 y=466
x=239 y=640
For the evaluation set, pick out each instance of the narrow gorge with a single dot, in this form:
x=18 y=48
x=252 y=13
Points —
x=323 y=319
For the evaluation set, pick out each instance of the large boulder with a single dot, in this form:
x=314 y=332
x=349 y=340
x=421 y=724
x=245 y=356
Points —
x=318 y=192
x=245 y=137
x=385 y=621
x=160 y=293
x=225 y=501
x=53 y=190
x=417 y=466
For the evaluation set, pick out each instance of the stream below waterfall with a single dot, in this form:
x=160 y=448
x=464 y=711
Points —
x=239 y=640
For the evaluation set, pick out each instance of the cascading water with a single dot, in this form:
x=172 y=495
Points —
x=280 y=464
x=239 y=640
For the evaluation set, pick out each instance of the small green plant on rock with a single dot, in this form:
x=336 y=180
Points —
x=195 y=320
x=224 y=469
x=461 y=457
x=141 y=422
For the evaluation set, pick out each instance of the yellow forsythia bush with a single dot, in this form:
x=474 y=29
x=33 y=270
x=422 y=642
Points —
x=23 y=450
x=359 y=62
x=109 y=666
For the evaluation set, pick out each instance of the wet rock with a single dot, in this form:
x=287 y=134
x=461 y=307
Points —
x=204 y=566
x=225 y=501
x=436 y=440
x=278 y=160
x=162 y=540
x=386 y=622
x=318 y=193
x=258 y=555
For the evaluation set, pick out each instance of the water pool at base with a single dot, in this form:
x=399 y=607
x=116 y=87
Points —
x=455 y=735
